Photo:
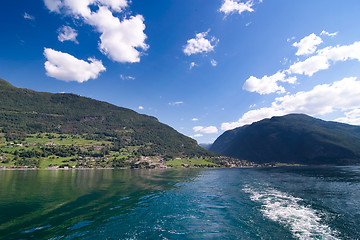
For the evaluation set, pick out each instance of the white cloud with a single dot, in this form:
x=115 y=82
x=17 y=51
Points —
x=64 y=66
x=351 y=117
x=198 y=135
x=115 y=5
x=141 y=107
x=122 y=41
x=194 y=119
x=341 y=95
x=192 y=64
x=307 y=45
x=230 y=6
x=328 y=34
x=123 y=77
x=324 y=57
x=322 y=60
x=207 y=130
x=290 y=39
x=81 y=7
x=53 y=5
x=213 y=62
x=175 y=103
x=28 y=16
x=267 y=85
x=310 y=65
x=200 y=44
x=67 y=33
x=252 y=116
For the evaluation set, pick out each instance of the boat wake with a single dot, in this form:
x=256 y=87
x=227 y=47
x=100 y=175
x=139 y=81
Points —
x=303 y=221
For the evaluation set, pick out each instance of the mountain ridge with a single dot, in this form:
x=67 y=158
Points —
x=24 y=111
x=293 y=138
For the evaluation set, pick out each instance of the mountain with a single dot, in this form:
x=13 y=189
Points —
x=24 y=112
x=206 y=146
x=293 y=138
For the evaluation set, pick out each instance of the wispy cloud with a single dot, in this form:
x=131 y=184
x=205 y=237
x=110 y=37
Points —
x=28 y=16
x=325 y=33
x=124 y=77
x=175 y=103
x=213 y=62
x=192 y=64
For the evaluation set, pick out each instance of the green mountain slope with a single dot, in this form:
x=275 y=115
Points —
x=294 y=138
x=23 y=112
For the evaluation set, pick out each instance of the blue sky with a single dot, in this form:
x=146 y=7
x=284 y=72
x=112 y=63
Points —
x=200 y=66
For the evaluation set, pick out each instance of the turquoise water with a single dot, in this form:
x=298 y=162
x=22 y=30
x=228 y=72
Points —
x=263 y=203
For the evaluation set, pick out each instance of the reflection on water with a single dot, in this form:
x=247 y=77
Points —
x=265 y=203
x=41 y=204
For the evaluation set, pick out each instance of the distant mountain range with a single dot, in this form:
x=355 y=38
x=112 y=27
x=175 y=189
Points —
x=294 y=138
x=206 y=146
x=24 y=111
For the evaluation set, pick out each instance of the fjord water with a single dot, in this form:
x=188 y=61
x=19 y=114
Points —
x=262 y=203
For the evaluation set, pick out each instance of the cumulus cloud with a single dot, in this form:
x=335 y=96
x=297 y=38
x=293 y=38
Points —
x=194 y=119
x=267 y=85
x=231 y=6
x=321 y=60
x=200 y=44
x=207 y=130
x=67 y=33
x=341 y=95
x=324 y=57
x=310 y=65
x=28 y=16
x=325 y=33
x=175 y=103
x=213 y=62
x=66 y=67
x=115 y=5
x=141 y=107
x=53 y=5
x=120 y=40
x=307 y=45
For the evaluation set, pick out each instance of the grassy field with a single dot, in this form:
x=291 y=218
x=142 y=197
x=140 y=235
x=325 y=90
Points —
x=64 y=150
x=46 y=150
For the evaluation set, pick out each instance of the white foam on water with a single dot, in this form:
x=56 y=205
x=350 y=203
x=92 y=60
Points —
x=303 y=221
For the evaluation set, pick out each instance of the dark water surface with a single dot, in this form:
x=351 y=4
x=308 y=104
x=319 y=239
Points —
x=264 y=203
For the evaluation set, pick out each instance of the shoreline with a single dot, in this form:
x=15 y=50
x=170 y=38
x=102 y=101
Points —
x=169 y=167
